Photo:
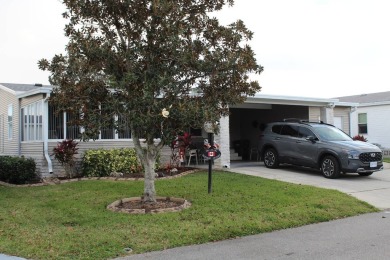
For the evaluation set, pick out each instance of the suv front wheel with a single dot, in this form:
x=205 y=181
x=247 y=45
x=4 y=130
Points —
x=330 y=167
x=271 y=159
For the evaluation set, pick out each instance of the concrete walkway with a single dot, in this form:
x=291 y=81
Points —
x=7 y=257
x=355 y=238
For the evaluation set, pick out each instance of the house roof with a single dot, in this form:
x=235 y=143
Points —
x=24 y=90
x=22 y=87
x=379 y=97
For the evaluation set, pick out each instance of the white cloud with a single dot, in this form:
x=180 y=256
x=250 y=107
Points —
x=317 y=48
x=30 y=30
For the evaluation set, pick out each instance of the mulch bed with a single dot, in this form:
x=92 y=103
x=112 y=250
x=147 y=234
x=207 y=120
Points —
x=160 y=174
x=136 y=205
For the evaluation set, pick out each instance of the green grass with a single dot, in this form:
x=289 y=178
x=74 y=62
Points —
x=386 y=160
x=70 y=221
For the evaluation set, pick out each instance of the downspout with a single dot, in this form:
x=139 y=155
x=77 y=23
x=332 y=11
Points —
x=353 y=109
x=46 y=133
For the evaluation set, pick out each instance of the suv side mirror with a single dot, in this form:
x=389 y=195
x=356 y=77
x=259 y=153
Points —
x=311 y=138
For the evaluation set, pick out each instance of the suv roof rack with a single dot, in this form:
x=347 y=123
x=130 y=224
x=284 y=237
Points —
x=296 y=120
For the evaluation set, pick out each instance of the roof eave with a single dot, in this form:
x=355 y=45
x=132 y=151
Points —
x=381 y=103
x=8 y=89
x=290 y=100
x=347 y=104
x=40 y=90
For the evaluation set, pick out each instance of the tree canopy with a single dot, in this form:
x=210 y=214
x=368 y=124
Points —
x=160 y=65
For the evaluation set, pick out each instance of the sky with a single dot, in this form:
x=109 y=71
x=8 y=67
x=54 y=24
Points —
x=308 y=48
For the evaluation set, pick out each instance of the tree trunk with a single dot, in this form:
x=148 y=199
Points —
x=148 y=157
x=149 y=189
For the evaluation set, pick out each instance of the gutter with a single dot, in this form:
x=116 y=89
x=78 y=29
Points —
x=46 y=133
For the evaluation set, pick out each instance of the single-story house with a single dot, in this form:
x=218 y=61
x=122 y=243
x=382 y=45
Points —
x=371 y=119
x=30 y=127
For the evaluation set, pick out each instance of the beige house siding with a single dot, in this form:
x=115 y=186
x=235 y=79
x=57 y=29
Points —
x=2 y=133
x=32 y=149
x=83 y=147
x=9 y=146
x=314 y=114
x=31 y=99
x=344 y=113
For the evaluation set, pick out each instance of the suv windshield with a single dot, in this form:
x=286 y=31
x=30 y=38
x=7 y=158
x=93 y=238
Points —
x=327 y=133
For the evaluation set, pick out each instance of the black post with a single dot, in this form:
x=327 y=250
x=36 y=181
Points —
x=211 y=142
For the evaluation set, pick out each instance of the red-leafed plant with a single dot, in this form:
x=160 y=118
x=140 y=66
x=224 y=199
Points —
x=178 y=148
x=64 y=153
x=359 y=138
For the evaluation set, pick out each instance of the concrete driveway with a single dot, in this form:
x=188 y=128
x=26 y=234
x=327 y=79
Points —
x=374 y=189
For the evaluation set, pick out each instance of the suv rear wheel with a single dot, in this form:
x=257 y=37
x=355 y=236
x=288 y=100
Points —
x=330 y=167
x=271 y=159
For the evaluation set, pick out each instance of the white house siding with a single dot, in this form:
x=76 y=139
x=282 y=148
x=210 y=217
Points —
x=9 y=147
x=223 y=139
x=377 y=118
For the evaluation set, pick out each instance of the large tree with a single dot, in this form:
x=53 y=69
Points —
x=161 y=66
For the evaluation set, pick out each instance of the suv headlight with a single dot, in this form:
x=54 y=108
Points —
x=353 y=154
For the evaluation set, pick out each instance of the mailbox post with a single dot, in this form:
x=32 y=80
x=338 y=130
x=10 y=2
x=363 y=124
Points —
x=211 y=142
x=211 y=152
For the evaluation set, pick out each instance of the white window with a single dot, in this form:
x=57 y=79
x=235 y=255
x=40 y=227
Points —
x=362 y=123
x=10 y=119
x=32 y=122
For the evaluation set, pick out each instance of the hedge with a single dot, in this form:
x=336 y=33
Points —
x=17 y=170
x=101 y=162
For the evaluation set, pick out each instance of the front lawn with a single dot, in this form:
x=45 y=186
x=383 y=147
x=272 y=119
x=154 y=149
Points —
x=70 y=221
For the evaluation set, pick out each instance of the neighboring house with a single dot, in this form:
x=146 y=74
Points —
x=371 y=118
x=30 y=127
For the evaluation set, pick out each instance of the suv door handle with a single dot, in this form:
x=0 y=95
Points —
x=277 y=138
x=298 y=142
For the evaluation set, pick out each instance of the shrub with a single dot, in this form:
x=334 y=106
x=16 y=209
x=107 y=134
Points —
x=17 y=170
x=359 y=138
x=64 y=153
x=100 y=162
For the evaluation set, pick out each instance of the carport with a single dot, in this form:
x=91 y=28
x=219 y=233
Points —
x=247 y=120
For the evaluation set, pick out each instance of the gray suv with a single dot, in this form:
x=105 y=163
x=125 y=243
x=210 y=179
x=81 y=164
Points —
x=317 y=145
